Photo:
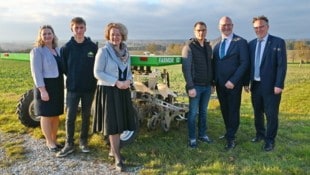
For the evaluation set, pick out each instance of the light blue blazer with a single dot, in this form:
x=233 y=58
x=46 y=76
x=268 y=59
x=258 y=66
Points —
x=106 y=66
x=43 y=65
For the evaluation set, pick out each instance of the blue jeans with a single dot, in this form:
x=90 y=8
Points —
x=73 y=100
x=198 y=104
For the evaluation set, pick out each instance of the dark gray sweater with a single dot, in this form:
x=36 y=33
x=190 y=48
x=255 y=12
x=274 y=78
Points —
x=197 y=64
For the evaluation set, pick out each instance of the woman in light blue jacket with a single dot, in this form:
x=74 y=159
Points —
x=114 y=111
x=47 y=74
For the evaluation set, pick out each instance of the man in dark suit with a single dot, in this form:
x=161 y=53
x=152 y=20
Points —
x=268 y=71
x=231 y=61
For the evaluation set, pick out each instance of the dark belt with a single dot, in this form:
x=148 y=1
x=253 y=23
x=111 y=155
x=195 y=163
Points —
x=256 y=82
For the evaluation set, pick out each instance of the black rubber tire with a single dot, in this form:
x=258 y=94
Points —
x=25 y=110
x=127 y=137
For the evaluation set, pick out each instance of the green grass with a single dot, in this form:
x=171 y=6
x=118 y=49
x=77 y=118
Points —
x=159 y=152
x=15 y=56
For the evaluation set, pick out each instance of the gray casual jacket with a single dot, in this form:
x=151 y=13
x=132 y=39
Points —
x=197 y=64
x=43 y=65
x=106 y=66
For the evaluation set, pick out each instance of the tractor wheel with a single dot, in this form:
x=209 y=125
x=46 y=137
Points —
x=25 y=110
x=127 y=137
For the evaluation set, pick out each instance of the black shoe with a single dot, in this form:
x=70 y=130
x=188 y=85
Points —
x=55 y=149
x=230 y=145
x=257 y=139
x=68 y=149
x=192 y=143
x=84 y=148
x=205 y=139
x=59 y=146
x=268 y=146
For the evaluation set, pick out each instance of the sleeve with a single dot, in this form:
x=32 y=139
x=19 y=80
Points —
x=244 y=61
x=64 y=60
x=247 y=75
x=281 y=64
x=187 y=67
x=129 y=76
x=100 y=68
x=36 y=66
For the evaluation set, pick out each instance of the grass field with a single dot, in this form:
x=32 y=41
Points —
x=15 y=56
x=159 y=152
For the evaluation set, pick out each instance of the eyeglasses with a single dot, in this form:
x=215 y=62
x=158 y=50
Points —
x=226 y=25
x=201 y=30
x=259 y=27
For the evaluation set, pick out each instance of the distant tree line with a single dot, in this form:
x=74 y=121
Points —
x=297 y=50
x=15 y=50
x=158 y=49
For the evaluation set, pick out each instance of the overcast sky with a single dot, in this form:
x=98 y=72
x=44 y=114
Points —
x=152 y=19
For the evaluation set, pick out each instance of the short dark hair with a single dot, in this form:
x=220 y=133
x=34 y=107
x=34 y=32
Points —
x=77 y=20
x=200 y=23
x=264 y=18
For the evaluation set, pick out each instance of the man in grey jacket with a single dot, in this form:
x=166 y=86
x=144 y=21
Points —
x=197 y=72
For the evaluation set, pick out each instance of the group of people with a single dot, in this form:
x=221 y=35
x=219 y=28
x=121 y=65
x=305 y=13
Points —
x=104 y=73
x=226 y=66
x=229 y=65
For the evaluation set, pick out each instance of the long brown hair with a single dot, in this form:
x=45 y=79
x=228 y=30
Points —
x=40 y=43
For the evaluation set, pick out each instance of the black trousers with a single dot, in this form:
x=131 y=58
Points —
x=265 y=104
x=230 y=100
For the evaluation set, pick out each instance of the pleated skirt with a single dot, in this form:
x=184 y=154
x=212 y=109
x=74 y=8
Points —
x=114 y=112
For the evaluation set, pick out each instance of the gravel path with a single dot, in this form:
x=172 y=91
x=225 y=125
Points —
x=40 y=161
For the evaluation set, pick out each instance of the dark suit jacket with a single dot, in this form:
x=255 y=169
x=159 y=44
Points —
x=235 y=63
x=273 y=65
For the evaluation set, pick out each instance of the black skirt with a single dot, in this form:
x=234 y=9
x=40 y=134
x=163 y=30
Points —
x=55 y=105
x=114 y=112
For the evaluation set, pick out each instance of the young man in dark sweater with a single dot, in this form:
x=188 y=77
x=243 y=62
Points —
x=197 y=72
x=79 y=57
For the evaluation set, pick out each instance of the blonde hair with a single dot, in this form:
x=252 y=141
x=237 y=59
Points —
x=39 y=41
x=122 y=28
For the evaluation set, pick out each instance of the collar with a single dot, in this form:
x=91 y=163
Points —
x=228 y=38
x=265 y=38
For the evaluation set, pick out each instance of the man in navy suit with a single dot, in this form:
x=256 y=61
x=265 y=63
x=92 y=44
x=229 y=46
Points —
x=268 y=71
x=231 y=61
